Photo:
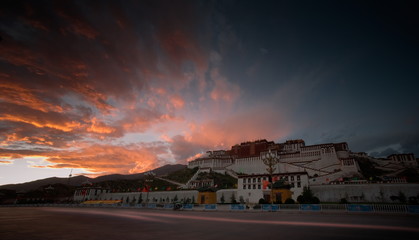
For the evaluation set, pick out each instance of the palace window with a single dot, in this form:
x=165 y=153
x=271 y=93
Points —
x=298 y=184
x=298 y=178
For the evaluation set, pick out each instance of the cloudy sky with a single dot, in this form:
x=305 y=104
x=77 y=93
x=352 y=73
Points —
x=105 y=87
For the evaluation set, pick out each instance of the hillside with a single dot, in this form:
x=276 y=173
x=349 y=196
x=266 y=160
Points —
x=182 y=175
x=78 y=180
x=28 y=186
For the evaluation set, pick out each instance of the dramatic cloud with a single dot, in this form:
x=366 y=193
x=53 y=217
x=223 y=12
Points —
x=123 y=87
x=78 y=79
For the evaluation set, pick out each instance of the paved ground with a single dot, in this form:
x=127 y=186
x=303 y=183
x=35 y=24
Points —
x=142 y=224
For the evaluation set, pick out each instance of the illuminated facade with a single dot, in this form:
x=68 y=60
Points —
x=323 y=163
x=251 y=188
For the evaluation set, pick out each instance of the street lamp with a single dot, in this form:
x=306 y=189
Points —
x=149 y=178
x=270 y=159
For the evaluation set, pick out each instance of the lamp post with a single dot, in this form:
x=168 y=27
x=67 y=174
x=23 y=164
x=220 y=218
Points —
x=149 y=178
x=270 y=159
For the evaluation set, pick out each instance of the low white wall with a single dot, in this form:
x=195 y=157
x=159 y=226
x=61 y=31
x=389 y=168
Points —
x=227 y=193
x=159 y=197
x=364 y=192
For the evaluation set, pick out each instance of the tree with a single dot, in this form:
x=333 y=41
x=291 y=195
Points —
x=140 y=199
x=175 y=198
x=289 y=201
x=193 y=199
x=222 y=198
x=233 y=198
x=381 y=195
x=241 y=200
x=394 y=198
x=402 y=197
x=307 y=197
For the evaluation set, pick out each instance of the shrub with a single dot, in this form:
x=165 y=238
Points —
x=289 y=201
x=308 y=197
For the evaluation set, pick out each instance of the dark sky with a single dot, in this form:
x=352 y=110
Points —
x=125 y=86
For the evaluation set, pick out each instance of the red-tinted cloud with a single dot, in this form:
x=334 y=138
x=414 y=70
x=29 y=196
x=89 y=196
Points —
x=77 y=78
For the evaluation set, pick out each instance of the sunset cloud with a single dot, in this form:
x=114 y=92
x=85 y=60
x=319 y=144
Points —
x=106 y=159
x=124 y=87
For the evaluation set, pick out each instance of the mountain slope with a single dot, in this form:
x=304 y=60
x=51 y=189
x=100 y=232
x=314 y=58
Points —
x=78 y=180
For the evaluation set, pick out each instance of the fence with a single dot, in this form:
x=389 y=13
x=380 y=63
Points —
x=366 y=208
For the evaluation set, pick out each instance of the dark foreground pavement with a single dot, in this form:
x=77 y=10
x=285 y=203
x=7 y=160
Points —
x=142 y=224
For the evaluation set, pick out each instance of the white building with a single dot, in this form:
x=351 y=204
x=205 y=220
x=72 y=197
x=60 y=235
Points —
x=323 y=162
x=405 y=159
x=89 y=193
x=253 y=187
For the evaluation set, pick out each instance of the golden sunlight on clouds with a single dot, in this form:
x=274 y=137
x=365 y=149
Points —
x=16 y=94
x=65 y=127
x=106 y=159
x=99 y=127
x=198 y=155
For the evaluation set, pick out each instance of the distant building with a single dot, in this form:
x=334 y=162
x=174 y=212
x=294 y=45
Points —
x=323 y=163
x=406 y=159
x=329 y=169
x=89 y=193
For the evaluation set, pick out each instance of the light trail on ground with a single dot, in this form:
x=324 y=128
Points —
x=149 y=216
x=113 y=214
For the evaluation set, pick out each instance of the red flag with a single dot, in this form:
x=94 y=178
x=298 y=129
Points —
x=265 y=184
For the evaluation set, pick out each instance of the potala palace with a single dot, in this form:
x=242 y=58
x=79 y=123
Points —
x=322 y=167
x=298 y=164
x=321 y=163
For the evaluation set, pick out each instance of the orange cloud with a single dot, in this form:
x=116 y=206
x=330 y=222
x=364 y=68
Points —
x=223 y=89
x=13 y=93
x=66 y=126
x=177 y=102
x=14 y=137
x=89 y=92
x=222 y=133
x=106 y=159
x=198 y=155
x=99 y=127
